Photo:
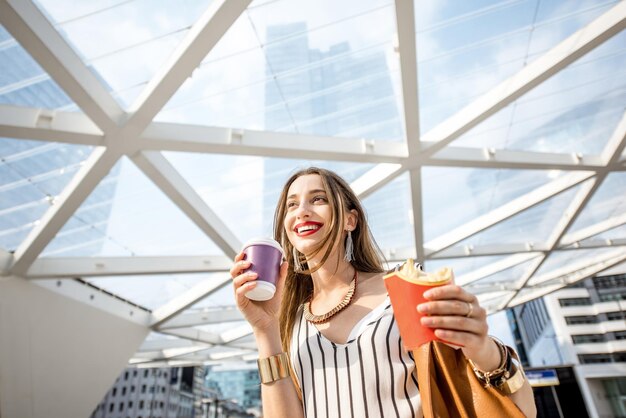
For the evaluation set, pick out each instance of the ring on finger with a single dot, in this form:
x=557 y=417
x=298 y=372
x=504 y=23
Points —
x=470 y=310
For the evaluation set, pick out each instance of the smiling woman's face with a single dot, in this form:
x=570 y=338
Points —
x=308 y=213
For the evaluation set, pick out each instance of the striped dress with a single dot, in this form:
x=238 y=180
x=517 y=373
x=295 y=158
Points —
x=371 y=375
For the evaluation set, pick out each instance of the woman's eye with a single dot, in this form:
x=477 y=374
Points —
x=291 y=204
x=319 y=199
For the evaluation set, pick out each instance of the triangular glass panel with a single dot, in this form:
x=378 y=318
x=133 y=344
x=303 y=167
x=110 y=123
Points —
x=23 y=82
x=491 y=302
x=243 y=190
x=221 y=299
x=461 y=265
x=126 y=42
x=454 y=196
x=217 y=308
x=503 y=280
x=532 y=226
x=464 y=50
x=574 y=111
x=319 y=68
x=32 y=174
x=530 y=293
x=127 y=214
x=390 y=215
x=608 y=202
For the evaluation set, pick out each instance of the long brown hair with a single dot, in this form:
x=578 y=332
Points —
x=367 y=256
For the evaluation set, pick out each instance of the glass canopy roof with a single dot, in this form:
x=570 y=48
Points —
x=142 y=142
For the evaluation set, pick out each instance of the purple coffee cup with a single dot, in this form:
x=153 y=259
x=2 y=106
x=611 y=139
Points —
x=265 y=256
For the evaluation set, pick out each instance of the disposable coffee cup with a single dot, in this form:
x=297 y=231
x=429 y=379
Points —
x=406 y=289
x=265 y=256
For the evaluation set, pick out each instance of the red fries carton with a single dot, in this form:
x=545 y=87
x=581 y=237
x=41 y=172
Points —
x=406 y=289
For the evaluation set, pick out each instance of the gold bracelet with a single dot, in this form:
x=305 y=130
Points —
x=493 y=376
x=273 y=368
x=509 y=377
x=513 y=383
x=515 y=379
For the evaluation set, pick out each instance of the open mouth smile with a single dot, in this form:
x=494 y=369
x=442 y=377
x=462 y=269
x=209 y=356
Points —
x=305 y=229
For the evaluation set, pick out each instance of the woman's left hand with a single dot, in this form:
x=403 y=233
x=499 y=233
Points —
x=458 y=318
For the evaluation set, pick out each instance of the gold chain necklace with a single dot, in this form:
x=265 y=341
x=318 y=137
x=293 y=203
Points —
x=347 y=299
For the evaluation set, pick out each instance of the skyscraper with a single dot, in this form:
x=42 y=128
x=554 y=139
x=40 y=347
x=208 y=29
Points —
x=332 y=92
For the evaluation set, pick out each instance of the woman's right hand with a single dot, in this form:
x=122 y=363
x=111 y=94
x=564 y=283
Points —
x=262 y=315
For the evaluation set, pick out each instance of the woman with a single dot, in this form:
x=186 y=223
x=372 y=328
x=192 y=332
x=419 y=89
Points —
x=331 y=314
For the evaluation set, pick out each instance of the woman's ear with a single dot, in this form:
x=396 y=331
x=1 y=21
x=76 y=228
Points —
x=351 y=220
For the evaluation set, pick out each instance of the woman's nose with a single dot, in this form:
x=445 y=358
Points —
x=303 y=210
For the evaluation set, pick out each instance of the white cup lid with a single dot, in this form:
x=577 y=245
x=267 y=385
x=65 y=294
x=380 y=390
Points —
x=264 y=241
x=262 y=291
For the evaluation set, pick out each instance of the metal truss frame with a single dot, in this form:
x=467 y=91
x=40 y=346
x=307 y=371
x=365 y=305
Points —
x=115 y=133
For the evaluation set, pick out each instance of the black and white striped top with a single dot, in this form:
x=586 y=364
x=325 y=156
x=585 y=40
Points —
x=370 y=376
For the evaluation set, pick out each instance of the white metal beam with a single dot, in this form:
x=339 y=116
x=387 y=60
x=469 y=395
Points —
x=415 y=178
x=575 y=46
x=208 y=139
x=169 y=180
x=162 y=344
x=488 y=250
x=96 y=167
x=375 y=178
x=194 y=334
x=237 y=333
x=187 y=299
x=54 y=267
x=202 y=37
x=167 y=354
x=506 y=211
x=596 y=243
x=593 y=230
x=28 y=25
x=405 y=23
x=165 y=363
x=204 y=317
x=48 y=125
x=509 y=249
x=612 y=152
x=453 y=156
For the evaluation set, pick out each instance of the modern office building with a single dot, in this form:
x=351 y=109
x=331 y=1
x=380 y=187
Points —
x=583 y=326
x=154 y=392
x=142 y=143
x=237 y=382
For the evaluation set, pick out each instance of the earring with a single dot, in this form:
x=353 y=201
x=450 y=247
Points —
x=297 y=265
x=349 y=248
